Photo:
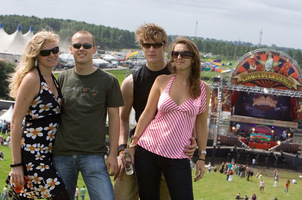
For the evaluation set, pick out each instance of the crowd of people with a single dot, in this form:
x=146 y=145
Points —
x=66 y=123
x=4 y=126
x=244 y=171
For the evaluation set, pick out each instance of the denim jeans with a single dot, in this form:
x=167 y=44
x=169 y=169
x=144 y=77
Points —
x=177 y=172
x=94 y=173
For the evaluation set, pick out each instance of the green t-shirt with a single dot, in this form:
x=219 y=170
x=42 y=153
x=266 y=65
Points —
x=83 y=192
x=84 y=111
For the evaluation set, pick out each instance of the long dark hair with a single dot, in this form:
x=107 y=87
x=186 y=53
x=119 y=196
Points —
x=194 y=79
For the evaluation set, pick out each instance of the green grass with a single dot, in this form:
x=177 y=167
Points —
x=213 y=186
x=119 y=74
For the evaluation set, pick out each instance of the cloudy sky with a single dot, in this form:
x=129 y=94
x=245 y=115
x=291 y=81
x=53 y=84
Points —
x=228 y=20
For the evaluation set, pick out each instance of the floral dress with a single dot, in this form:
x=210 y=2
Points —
x=38 y=137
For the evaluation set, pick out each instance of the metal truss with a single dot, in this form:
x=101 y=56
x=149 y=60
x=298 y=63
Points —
x=256 y=89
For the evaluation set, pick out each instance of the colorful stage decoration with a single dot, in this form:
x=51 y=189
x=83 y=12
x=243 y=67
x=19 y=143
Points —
x=266 y=68
x=259 y=136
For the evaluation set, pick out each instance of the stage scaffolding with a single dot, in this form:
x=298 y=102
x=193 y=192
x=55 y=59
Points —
x=223 y=84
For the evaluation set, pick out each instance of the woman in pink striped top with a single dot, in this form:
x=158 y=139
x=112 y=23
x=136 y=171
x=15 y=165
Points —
x=181 y=101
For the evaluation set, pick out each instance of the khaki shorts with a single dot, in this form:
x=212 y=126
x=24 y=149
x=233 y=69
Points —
x=125 y=188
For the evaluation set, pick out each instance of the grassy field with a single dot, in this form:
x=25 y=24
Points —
x=213 y=186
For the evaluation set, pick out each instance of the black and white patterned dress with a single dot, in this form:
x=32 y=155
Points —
x=38 y=137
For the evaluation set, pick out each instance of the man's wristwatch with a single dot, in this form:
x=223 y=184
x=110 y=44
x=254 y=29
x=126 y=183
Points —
x=203 y=152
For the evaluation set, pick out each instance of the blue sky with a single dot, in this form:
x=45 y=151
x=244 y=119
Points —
x=228 y=20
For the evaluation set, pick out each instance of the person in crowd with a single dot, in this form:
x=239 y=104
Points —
x=4 y=193
x=238 y=196
x=1 y=140
x=1 y=121
x=247 y=173
x=227 y=174
x=209 y=167
x=231 y=173
x=89 y=93
x=254 y=197
x=253 y=162
x=245 y=197
x=251 y=175
x=275 y=172
x=7 y=128
x=135 y=89
x=276 y=179
x=221 y=169
x=83 y=192
x=287 y=183
x=37 y=99
x=76 y=194
x=4 y=127
x=294 y=181
x=180 y=100
x=1 y=155
x=261 y=185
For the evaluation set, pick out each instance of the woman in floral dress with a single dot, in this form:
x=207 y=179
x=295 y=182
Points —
x=38 y=100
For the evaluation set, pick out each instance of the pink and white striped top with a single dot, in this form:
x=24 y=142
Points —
x=171 y=129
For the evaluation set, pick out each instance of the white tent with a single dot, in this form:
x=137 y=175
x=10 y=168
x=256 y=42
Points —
x=66 y=57
x=7 y=116
x=98 y=62
x=2 y=31
x=108 y=57
x=14 y=43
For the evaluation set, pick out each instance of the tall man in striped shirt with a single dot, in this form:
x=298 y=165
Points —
x=135 y=90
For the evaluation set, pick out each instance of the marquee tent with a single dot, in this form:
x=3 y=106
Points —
x=14 y=43
x=7 y=116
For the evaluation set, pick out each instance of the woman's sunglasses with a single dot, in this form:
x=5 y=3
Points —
x=183 y=54
x=79 y=45
x=47 y=52
x=154 y=45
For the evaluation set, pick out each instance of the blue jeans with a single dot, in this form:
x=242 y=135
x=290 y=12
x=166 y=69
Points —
x=93 y=170
x=177 y=172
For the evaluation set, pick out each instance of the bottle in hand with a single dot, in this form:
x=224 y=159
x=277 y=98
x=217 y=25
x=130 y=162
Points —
x=129 y=166
x=18 y=188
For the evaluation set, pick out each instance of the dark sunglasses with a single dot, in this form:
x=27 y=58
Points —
x=79 y=45
x=183 y=54
x=47 y=52
x=154 y=45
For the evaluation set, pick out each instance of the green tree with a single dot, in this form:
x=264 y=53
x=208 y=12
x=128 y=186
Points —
x=5 y=70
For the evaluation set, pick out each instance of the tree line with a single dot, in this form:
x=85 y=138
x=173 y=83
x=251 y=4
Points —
x=108 y=38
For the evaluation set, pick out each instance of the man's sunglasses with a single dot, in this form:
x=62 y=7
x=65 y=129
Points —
x=47 y=52
x=154 y=45
x=183 y=54
x=79 y=45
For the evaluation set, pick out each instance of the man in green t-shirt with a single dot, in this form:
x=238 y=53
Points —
x=83 y=192
x=89 y=93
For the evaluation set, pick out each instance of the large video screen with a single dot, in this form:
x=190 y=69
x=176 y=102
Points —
x=263 y=106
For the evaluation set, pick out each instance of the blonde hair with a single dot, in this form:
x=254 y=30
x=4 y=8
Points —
x=151 y=32
x=29 y=57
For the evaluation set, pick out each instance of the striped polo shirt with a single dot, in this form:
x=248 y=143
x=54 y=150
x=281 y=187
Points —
x=171 y=129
